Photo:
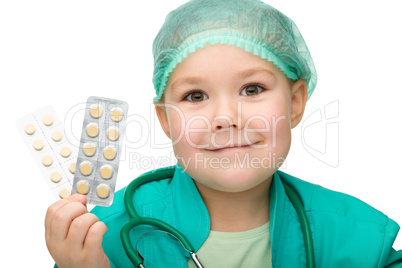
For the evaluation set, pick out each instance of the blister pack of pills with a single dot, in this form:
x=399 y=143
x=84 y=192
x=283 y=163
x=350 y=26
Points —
x=44 y=135
x=99 y=151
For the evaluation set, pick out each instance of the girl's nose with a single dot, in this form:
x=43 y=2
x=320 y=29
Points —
x=226 y=115
x=223 y=121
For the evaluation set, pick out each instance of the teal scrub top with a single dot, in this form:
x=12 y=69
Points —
x=346 y=231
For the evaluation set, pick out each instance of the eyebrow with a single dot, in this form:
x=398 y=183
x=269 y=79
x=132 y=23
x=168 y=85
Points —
x=242 y=75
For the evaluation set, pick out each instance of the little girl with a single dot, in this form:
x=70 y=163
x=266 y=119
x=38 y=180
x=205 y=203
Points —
x=232 y=79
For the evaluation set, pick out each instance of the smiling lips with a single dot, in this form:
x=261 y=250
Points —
x=233 y=147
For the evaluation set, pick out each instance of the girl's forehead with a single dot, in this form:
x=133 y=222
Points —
x=227 y=59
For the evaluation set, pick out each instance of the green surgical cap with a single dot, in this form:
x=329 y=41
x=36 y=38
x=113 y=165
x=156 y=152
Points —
x=249 y=24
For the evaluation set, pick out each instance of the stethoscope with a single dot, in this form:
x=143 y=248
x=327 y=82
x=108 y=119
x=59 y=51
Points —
x=137 y=259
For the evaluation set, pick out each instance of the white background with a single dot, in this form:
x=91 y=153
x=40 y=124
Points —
x=62 y=52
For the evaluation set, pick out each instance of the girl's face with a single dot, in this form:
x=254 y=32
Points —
x=229 y=115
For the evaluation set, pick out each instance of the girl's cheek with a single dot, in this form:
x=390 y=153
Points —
x=188 y=129
x=197 y=128
x=176 y=126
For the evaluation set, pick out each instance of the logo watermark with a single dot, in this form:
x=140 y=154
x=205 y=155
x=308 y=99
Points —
x=322 y=123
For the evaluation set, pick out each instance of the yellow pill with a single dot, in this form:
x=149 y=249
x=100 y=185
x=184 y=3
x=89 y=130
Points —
x=48 y=120
x=57 y=135
x=65 y=152
x=106 y=172
x=102 y=191
x=71 y=167
x=38 y=145
x=82 y=187
x=116 y=115
x=109 y=153
x=55 y=176
x=30 y=129
x=92 y=130
x=89 y=149
x=64 y=193
x=96 y=111
x=47 y=160
x=112 y=134
x=86 y=168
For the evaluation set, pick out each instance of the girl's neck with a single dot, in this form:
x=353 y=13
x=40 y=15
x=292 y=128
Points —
x=237 y=212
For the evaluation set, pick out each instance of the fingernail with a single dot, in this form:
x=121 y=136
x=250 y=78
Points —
x=80 y=197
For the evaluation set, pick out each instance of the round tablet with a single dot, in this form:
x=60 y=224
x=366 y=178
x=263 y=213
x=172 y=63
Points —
x=116 y=115
x=38 y=145
x=47 y=160
x=86 y=168
x=64 y=193
x=106 y=172
x=30 y=129
x=92 y=130
x=89 y=149
x=48 y=120
x=102 y=191
x=96 y=111
x=109 y=153
x=56 y=135
x=71 y=167
x=112 y=134
x=65 y=152
x=82 y=187
x=55 y=176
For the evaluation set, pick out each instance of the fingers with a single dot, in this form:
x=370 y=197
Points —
x=95 y=235
x=57 y=205
x=60 y=215
x=79 y=228
x=73 y=235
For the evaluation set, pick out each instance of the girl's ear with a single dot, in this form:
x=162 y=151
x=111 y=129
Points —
x=162 y=116
x=298 y=101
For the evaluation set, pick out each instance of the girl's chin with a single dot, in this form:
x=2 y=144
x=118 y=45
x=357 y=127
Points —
x=232 y=188
x=231 y=180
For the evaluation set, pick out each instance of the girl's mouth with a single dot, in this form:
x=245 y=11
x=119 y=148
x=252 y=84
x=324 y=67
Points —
x=231 y=148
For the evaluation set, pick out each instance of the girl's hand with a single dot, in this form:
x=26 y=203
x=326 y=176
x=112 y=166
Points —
x=73 y=235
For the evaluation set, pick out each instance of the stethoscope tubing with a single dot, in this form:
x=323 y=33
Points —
x=136 y=220
x=305 y=226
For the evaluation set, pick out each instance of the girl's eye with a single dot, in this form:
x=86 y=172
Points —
x=196 y=96
x=251 y=90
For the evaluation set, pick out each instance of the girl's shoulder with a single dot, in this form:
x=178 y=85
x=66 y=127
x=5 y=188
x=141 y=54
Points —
x=318 y=199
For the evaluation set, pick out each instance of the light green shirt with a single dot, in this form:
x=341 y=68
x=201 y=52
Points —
x=250 y=248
